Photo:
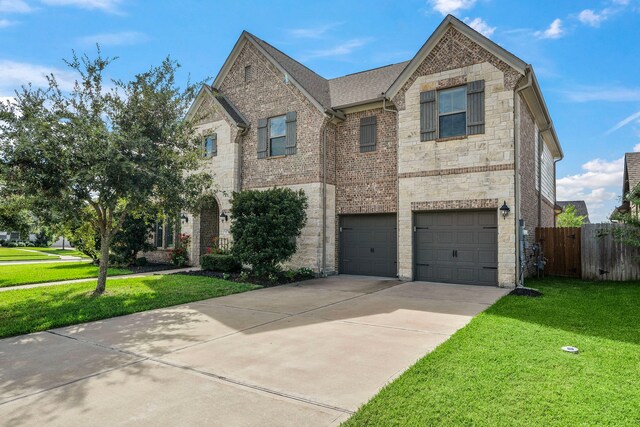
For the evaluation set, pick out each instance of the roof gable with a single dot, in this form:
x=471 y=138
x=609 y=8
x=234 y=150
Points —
x=631 y=172
x=221 y=102
x=451 y=21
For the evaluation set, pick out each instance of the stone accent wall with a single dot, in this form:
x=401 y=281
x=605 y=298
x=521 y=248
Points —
x=455 y=51
x=266 y=95
x=475 y=171
x=367 y=182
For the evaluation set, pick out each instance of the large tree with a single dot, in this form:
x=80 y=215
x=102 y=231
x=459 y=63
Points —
x=108 y=151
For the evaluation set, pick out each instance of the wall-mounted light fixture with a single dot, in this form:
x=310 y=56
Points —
x=184 y=218
x=504 y=210
x=223 y=216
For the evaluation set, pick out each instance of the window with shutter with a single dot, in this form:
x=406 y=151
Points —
x=428 y=115
x=368 y=130
x=210 y=145
x=475 y=107
x=291 y=133
x=262 y=138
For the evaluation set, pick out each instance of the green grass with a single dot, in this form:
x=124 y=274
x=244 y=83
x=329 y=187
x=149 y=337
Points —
x=30 y=310
x=18 y=254
x=23 y=274
x=506 y=366
x=60 y=251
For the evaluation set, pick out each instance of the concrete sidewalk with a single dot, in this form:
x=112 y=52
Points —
x=307 y=354
x=93 y=279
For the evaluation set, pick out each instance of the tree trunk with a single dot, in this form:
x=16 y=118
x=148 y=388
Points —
x=104 y=264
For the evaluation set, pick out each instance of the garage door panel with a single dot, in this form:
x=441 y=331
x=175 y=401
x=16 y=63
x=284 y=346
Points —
x=460 y=247
x=368 y=245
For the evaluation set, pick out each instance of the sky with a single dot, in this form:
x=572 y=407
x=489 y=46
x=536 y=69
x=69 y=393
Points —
x=586 y=55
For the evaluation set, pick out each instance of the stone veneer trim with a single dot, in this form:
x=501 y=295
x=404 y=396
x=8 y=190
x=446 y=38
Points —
x=444 y=205
x=455 y=171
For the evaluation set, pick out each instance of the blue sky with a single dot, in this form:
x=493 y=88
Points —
x=586 y=54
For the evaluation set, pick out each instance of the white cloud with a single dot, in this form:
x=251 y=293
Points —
x=598 y=185
x=14 y=6
x=554 y=31
x=15 y=74
x=312 y=32
x=589 y=17
x=4 y=23
x=104 y=5
x=622 y=123
x=604 y=93
x=340 y=50
x=115 y=39
x=480 y=26
x=451 y=6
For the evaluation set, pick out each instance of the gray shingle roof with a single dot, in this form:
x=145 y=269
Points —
x=339 y=92
x=230 y=109
x=316 y=85
x=580 y=205
x=632 y=170
x=363 y=86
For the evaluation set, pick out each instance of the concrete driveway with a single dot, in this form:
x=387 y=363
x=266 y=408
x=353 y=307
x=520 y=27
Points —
x=307 y=354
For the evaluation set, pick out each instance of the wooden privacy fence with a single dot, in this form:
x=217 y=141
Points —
x=561 y=249
x=590 y=252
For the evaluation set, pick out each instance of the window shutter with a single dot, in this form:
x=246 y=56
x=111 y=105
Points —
x=214 y=144
x=368 y=134
x=475 y=107
x=428 y=115
x=262 y=138
x=290 y=145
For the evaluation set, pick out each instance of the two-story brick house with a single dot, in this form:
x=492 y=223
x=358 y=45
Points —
x=406 y=166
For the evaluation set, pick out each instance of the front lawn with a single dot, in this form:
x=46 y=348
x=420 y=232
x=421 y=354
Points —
x=506 y=367
x=60 y=251
x=30 y=310
x=23 y=274
x=20 y=254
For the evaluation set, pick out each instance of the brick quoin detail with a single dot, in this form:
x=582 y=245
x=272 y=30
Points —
x=445 y=205
x=455 y=171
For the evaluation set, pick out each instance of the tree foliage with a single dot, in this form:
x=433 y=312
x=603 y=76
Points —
x=265 y=225
x=15 y=215
x=111 y=150
x=629 y=235
x=569 y=217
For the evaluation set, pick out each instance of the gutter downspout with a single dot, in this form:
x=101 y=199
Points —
x=324 y=200
x=396 y=112
x=516 y=163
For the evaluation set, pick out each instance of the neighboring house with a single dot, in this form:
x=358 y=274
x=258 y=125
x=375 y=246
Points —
x=630 y=181
x=581 y=208
x=405 y=166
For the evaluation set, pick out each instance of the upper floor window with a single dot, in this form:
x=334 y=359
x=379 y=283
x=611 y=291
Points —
x=452 y=112
x=210 y=145
x=277 y=135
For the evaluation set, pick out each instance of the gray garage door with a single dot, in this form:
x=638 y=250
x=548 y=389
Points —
x=456 y=247
x=368 y=245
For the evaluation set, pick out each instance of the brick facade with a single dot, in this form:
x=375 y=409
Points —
x=367 y=182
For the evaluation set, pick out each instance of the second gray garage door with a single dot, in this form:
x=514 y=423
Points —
x=368 y=245
x=456 y=247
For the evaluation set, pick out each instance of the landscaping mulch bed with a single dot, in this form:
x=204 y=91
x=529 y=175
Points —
x=150 y=267
x=237 y=277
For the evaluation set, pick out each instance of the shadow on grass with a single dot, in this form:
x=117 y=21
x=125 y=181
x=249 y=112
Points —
x=608 y=310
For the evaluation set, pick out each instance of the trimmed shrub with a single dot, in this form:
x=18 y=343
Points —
x=221 y=263
x=265 y=225
x=141 y=261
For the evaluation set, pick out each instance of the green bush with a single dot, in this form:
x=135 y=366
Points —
x=265 y=226
x=222 y=263
x=141 y=261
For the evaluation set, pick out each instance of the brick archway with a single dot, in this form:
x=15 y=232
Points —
x=209 y=225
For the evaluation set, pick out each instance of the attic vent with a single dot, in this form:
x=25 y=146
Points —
x=248 y=73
